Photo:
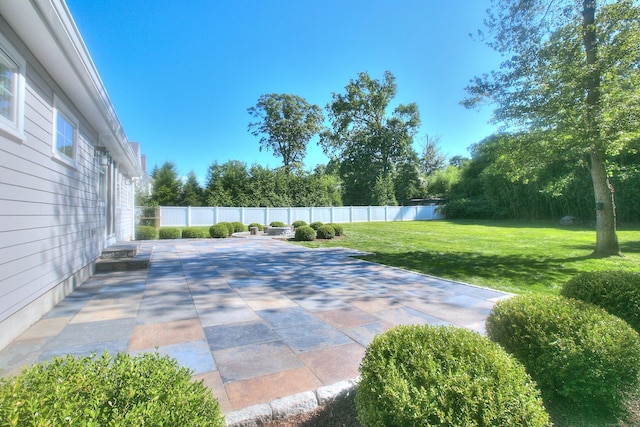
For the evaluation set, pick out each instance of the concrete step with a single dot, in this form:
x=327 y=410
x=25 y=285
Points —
x=121 y=250
x=124 y=256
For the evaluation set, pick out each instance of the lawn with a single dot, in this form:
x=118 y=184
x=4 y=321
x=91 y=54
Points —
x=514 y=256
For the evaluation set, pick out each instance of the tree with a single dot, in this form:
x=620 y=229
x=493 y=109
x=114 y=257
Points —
x=286 y=123
x=569 y=87
x=431 y=156
x=192 y=193
x=166 y=185
x=366 y=141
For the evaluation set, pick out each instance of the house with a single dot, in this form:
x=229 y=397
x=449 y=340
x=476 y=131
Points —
x=67 y=170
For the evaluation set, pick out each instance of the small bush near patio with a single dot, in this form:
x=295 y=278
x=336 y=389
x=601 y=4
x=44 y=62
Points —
x=230 y=229
x=148 y=389
x=193 y=233
x=298 y=223
x=218 y=231
x=255 y=224
x=338 y=229
x=584 y=359
x=305 y=234
x=444 y=376
x=315 y=225
x=238 y=227
x=277 y=224
x=146 y=232
x=618 y=292
x=170 y=233
x=325 y=232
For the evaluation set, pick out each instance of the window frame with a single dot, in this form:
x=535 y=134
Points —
x=60 y=110
x=14 y=129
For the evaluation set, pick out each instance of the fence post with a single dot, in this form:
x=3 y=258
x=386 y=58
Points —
x=350 y=213
x=215 y=215
x=242 y=214
x=311 y=210
x=289 y=213
x=266 y=215
x=188 y=216
x=331 y=215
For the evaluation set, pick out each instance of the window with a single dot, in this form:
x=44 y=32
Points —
x=65 y=133
x=12 y=69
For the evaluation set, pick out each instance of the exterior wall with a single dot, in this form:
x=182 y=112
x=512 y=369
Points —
x=52 y=219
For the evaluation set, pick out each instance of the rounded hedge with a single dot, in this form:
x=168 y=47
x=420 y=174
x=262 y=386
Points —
x=444 y=376
x=315 y=225
x=305 y=234
x=230 y=229
x=148 y=389
x=338 y=229
x=583 y=358
x=146 y=232
x=218 y=231
x=238 y=227
x=277 y=224
x=326 y=232
x=298 y=223
x=618 y=292
x=193 y=233
x=169 y=233
x=255 y=224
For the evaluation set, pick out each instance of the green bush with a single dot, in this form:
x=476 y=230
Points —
x=315 y=225
x=193 y=233
x=238 y=227
x=170 y=233
x=148 y=389
x=618 y=292
x=218 y=231
x=255 y=224
x=473 y=208
x=277 y=224
x=583 y=358
x=298 y=223
x=305 y=234
x=230 y=228
x=338 y=229
x=146 y=232
x=326 y=232
x=444 y=376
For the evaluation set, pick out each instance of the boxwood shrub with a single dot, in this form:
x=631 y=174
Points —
x=338 y=228
x=583 y=358
x=255 y=224
x=218 y=231
x=170 y=233
x=148 y=389
x=230 y=229
x=193 y=233
x=315 y=225
x=146 y=232
x=325 y=232
x=444 y=376
x=618 y=292
x=298 y=223
x=305 y=234
x=277 y=224
x=238 y=227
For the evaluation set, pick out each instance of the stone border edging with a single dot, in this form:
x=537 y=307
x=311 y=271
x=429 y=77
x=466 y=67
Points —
x=258 y=415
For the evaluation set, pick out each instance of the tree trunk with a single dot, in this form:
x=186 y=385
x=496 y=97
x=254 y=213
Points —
x=606 y=237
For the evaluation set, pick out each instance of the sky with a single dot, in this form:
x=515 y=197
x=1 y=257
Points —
x=181 y=74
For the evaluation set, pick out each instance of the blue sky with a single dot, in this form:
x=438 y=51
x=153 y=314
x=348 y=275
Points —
x=181 y=74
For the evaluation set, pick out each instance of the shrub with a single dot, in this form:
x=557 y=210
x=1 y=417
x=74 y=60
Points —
x=583 y=358
x=238 y=227
x=338 y=229
x=277 y=224
x=326 y=232
x=305 y=234
x=298 y=223
x=218 y=231
x=618 y=292
x=148 y=389
x=230 y=229
x=192 y=233
x=436 y=375
x=170 y=233
x=255 y=224
x=315 y=225
x=146 y=232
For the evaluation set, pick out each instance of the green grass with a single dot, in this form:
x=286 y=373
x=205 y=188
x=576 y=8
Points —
x=514 y=256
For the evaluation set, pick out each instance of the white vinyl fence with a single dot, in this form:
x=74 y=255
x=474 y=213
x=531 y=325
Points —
x=171 y=216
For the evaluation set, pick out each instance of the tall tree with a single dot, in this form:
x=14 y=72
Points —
x=166 y=185
x=192 y=193
x=286 y=123
x=368 y=142
x=431 y=156
x=572 y=74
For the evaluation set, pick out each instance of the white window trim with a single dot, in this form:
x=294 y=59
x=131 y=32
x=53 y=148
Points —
x=15 y=129
x=60 y=108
